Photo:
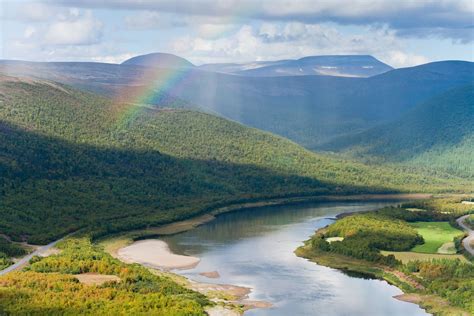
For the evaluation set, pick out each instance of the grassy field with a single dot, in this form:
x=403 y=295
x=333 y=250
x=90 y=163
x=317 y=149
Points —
x=435 y=235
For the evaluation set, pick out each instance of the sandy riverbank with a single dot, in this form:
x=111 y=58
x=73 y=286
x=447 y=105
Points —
x=155 y=254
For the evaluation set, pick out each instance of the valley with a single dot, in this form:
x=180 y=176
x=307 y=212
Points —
x=236 y=158
x=108 y=169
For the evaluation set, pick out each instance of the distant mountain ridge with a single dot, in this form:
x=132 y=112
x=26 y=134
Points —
x=330 y=65
x=310 y=110
x=162 y=60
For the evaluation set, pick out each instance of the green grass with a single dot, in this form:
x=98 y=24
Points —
x=435 y=235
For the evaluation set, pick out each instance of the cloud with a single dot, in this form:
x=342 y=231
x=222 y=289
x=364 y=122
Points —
x=29 y=31
x=153 y=20
x=274 y=41
x=401 y=59
x=76 y=30
x=451 y=18
x=113 y=59
x=68 y=34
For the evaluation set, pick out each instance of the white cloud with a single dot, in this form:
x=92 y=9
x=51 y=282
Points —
x=273 y=41
x=113 y=59
x=154 y=20
x=451 y=18
x=401 y=59
x=29 y=31
x=79 y=30
x=214 y=31
x=36 y=11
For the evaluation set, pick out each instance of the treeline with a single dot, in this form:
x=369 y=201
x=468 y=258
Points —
x=451 y=279
x=49 y=287
x=451 y=206
x=366 y=234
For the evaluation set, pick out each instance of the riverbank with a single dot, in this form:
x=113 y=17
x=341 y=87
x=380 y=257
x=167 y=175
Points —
x=220 y=292
x=431 y=285
x=195 y=221
x=155 y=254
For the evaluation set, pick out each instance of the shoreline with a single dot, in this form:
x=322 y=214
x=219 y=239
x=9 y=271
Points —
x=409 y=287
x=161 y=257
x=114 y=245
x=200 y=219
x=156 y=255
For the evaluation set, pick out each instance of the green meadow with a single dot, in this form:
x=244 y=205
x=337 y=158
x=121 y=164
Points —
x=435 y=234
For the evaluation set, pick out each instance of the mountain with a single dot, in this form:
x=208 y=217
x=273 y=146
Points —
x=310 y=110
x=161 y=60
x=438 y=133
x=335 y=65
x=74 y=160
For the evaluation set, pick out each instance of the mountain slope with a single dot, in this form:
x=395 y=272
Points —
x=310 y=110
x=70 y=160
x=336 y=65
x=162 y=60
x=438 y=133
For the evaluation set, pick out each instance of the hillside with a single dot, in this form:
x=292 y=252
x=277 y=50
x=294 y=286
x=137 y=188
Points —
x=162 y=60
x=336 y=65
x=438 y=134
x=70 y=160
x=310 y=110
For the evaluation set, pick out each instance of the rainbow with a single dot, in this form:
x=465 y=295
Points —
x=139 y=94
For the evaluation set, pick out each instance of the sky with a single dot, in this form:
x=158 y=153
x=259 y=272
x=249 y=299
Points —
x=401 y=33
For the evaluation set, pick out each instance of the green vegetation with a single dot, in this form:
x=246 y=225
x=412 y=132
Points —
x=436 y=135
x=366 y=234
x=71 y=160
x=434 y=235
x=50 y=287
x=310 y=110
x=447 y=206
x=470 y=221
x=8 y=250
x=407 y=256
x=377 y=243
x=450 y=279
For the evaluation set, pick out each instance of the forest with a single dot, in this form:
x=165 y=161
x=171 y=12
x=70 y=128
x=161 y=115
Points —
x=71 y=160
x=435 y=135
x=49 y=286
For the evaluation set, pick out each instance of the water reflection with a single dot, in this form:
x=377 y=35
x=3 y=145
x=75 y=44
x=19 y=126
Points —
x=254 y=248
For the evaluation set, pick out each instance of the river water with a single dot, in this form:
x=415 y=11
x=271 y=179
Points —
x=254 y=248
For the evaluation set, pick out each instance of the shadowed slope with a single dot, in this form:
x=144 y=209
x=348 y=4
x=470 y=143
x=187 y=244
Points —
x=70 y=159
x=438 y=134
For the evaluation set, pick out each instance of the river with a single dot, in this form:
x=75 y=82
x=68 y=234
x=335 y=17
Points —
x=254 y=248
